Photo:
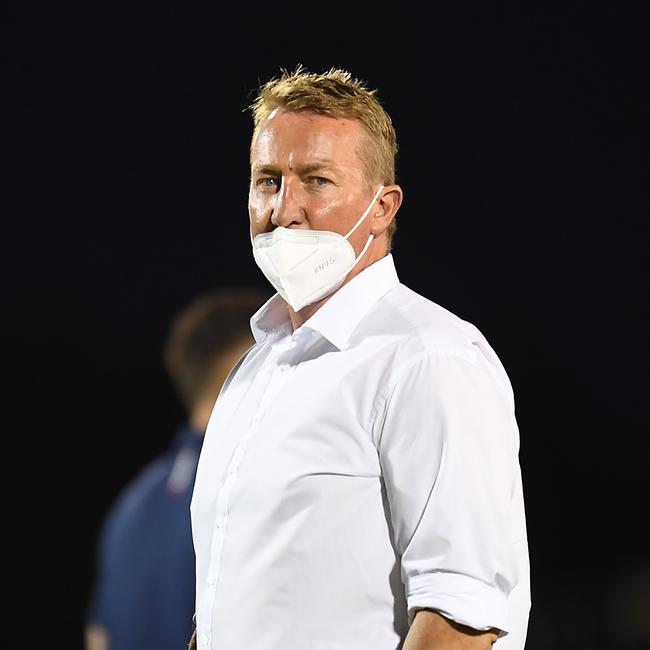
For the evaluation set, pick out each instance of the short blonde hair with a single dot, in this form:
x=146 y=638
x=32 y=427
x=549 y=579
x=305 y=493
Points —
x=336 y=93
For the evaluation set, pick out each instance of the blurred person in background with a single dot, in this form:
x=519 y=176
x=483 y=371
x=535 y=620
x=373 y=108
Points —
x=144 y=590
x=628 y=612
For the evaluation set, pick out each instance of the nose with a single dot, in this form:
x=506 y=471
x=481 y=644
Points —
x=288 y=210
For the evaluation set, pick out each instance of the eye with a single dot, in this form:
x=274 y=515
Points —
x=320 y=180
x=267 y=182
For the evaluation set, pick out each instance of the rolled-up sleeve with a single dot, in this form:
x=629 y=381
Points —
x=448 y=448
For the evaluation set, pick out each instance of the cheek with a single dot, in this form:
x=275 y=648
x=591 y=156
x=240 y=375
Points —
x=258 y=214
x=331 y=214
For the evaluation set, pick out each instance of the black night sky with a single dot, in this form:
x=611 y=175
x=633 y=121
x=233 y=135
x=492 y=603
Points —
x=524 y=162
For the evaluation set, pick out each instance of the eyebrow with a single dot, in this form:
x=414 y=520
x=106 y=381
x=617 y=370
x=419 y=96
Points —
x=273 y=170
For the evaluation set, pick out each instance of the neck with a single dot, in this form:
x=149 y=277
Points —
x=300 y=317
x=199 y=421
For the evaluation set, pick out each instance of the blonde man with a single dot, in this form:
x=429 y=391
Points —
x=359 y=487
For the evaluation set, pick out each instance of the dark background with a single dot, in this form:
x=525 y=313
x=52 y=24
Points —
x=523 y=158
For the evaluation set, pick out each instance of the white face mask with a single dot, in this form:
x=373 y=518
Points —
x=307 y=265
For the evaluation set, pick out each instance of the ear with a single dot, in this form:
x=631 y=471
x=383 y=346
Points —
x=388 y=203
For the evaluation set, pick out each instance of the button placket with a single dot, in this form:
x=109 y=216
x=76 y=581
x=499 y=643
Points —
x=280 y=373
x=272 y=382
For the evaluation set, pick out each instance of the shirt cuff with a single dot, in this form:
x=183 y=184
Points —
x=465 y=600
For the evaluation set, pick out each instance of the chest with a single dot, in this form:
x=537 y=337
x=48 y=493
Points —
x=303 y=428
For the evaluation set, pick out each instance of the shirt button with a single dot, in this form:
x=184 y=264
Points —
x=221 y=522
x=211 y=580
x=233 y=469
x=205 y=640
x=284 y=367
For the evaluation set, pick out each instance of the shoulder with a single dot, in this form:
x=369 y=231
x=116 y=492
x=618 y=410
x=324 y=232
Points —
x=137 y=496
x=422 y=336
x=421 y=326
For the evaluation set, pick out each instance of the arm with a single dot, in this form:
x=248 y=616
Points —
x=430 y=631
x=448 y=448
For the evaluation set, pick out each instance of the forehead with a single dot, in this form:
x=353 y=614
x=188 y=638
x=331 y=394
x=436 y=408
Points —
x=304 y=135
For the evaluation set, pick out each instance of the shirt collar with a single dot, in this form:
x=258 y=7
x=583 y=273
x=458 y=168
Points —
x=272 y=318
x=337 y=319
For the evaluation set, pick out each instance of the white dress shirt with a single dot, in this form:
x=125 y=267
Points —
x=354 y=470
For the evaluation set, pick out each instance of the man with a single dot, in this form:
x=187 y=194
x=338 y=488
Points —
x=144 y=588
x=359 y=486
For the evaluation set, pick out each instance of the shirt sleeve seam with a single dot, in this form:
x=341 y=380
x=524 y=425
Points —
x=387 y=389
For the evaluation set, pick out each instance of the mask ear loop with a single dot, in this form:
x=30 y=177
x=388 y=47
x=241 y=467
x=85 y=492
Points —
x=365 y=214
x=363 y=252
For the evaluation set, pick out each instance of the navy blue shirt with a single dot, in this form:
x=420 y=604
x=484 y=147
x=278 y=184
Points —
x=144 y=590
